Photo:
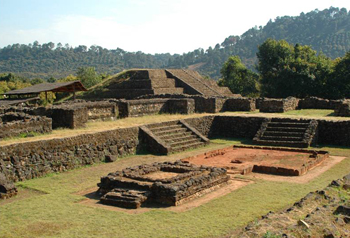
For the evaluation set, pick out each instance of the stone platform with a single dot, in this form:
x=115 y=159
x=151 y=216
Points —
x=162 y=183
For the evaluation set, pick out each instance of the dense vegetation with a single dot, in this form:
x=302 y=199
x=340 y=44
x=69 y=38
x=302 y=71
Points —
x=326 y=31
x=289 y=70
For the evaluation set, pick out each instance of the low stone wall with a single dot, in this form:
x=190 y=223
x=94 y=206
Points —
x=317 y=103
x=235 y=126
x=239 y=104
x=14 y=124
x=334 y=132
x=103 y=110
x=278 y=105
x=141 y=107
x=342 y=109
x=34 y=159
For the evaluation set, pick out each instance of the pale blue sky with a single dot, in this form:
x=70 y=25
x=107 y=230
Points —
x=151 y=26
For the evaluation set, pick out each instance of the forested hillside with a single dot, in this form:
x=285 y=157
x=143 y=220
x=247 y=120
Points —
x=326 y=31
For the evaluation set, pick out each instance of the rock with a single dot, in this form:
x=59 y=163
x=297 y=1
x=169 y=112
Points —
x=335 y=183
x=346 y=186
x=345 y=210
x=328 y=234
x=110 y=158
x=7 y=188
x=346 y=219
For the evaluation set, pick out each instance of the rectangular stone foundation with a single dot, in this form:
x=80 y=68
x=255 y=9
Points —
x=164 y=183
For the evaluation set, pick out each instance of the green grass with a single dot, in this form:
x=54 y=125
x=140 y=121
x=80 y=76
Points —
x=57 y=213
x=316 y=113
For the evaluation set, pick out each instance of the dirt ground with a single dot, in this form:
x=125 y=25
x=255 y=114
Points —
x=243 y=160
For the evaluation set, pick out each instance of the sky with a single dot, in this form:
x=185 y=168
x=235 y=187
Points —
x=150 y=26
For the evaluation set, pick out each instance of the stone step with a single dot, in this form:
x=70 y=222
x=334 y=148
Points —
x=288 y=124
x=162 y=124
x=170 y=131
x=179 y=137
x=165 y=128
x=167 y=137
x=286 y=129
x=282 y=133
x=187 y=146
x=125 y=198
x=289 y=120
x=282 y=138
x=185 y=142
x=283 y=143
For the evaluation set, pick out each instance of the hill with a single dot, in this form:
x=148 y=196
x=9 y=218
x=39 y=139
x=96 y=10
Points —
x=327 y=31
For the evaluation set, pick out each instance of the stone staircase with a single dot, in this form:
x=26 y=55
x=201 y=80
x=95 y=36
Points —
x=173 y=136
x=287 y=132
x=196 y=82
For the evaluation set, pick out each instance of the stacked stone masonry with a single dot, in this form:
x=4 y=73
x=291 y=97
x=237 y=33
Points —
x=34 y=159
x=172 y=136
x=138 y=82
x=13 y=124
x=164 y=183
x=278 y=105
x=287 y=132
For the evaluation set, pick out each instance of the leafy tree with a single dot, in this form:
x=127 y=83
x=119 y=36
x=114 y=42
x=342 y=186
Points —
x=88 y=76
x=339 y=82
x=292 y=71
x=51 y=80
x=238 y=78
x=36 y=81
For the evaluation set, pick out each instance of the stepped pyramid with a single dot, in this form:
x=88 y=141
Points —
x=138 y=82
x=287 y=132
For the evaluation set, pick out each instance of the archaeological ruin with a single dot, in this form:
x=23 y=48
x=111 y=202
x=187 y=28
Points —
x=140 y=92
x=164 y=183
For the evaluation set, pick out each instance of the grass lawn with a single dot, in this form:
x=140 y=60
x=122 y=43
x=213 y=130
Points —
x=49 y=207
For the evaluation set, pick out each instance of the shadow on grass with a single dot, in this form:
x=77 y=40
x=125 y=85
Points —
x=232 y=141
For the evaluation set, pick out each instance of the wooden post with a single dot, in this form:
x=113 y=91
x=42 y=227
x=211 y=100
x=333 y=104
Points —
x=73 y=91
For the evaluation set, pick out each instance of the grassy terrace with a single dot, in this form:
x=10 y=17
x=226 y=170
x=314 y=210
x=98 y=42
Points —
x=92 y=127
x=49 y=206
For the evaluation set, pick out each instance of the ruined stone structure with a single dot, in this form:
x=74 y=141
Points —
x=138 y=82
x=278 y=105
x=286 y=132
x=34 y=159
x=342 y=109
x=317 y=103
x=142 y=107
x=164 y=183
x=14 y=124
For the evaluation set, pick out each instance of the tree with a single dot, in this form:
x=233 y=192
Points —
x=51 y=80
x=339 y=82
x=238 y=78
x=88 y=76
x=36 y=81
x=287 y=70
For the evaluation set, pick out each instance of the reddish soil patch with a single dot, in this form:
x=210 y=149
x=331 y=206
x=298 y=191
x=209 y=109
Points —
x=243 y=160
x=161 y=175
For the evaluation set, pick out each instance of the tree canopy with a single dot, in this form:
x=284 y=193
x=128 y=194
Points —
x=238 y=78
